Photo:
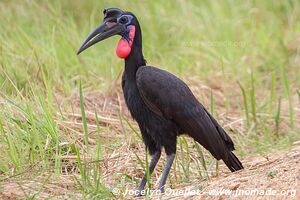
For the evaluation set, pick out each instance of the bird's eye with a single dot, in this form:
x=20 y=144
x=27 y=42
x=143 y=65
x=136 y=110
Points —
x=123 y=20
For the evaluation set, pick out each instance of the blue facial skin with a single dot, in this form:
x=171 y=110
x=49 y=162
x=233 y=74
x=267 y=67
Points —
x=127 y=26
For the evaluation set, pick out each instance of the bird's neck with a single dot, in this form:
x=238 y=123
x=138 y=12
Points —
x=135 y=58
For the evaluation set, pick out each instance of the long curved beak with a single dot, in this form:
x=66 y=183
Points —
x=102 y=32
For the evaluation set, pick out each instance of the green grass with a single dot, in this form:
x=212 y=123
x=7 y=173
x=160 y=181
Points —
x=249 y=48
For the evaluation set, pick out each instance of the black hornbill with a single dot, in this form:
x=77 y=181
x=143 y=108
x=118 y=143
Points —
x=162 y=104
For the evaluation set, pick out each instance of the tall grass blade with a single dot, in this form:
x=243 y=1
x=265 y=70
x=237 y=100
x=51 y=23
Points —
x=277 y=117
x=84 y=121
x=133 y=129
x=286 y=87
x=253 y=104
x=245 y=104
x=272 y=91
x=252 y=98
x=201 y=155
x=212 y=102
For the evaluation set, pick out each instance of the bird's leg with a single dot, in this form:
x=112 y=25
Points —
x=162 y=182
x=152 y=165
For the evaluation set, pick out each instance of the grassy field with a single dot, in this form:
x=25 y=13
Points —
x=63 y=121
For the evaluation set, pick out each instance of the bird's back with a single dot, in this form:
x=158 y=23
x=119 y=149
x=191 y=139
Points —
x=168 y=96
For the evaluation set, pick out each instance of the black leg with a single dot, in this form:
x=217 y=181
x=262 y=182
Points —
x=153 y=162
x=169 y=162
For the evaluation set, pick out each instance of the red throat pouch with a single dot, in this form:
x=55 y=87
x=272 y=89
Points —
x=124 y=47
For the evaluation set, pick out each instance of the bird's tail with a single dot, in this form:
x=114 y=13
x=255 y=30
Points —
x=233 y=163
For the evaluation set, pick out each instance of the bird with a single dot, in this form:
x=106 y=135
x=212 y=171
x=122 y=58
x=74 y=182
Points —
x=163 y=105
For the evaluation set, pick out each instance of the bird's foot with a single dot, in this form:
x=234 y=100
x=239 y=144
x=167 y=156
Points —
x=161 y=189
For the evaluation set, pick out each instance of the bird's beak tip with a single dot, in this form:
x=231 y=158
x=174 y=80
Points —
x=81 y=49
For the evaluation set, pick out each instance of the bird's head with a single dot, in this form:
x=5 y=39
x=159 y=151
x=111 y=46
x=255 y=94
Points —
x=115 y=22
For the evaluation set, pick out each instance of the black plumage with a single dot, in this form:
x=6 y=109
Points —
x=162 y=104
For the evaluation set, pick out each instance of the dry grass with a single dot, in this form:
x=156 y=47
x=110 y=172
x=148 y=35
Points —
x=120 y=147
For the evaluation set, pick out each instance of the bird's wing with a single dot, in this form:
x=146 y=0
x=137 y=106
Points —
x=169 y=97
